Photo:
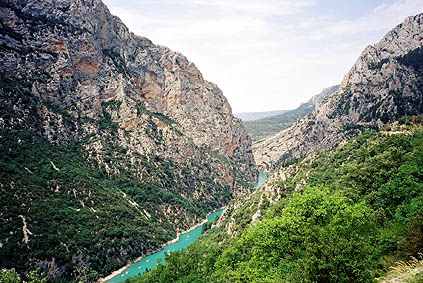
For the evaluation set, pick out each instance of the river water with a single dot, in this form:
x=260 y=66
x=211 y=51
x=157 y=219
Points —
x=262 y=178
x=184 y=241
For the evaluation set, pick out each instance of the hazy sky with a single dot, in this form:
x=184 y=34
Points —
x=266 y=54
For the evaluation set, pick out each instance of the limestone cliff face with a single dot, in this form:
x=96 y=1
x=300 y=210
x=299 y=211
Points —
x=197 y=105
x=85 y=61
x=91 y=57
x=74 y=75
x=323 y=94
x=384 y=84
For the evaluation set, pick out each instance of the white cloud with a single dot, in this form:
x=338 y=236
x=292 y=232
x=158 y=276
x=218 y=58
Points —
x=382 y=18
x=279 y=7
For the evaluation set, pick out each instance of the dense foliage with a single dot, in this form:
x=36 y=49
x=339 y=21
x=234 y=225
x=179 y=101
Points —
x=359 y=210
x=11 y=276
x=75 y=215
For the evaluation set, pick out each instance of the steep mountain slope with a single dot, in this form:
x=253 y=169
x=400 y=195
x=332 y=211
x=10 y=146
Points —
x=110 y=144
x=345 y=214
x=260 y=129
x=250 y=116
x=342 y=215
x=384 y=84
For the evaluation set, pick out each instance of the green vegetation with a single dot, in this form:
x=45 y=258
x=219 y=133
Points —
x=359 y=211
x=11 y=276
x=78 y=214
x=315 y=233
x=75 y=210
x=165 y=119
x=259 y=129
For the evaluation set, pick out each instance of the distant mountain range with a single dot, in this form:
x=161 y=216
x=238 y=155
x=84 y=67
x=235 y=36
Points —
x=261 y=128
x=251 y=116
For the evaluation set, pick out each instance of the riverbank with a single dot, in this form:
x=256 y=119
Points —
x=119 y=271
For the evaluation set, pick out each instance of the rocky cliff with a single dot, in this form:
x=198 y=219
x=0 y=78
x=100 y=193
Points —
x=323 y=94
x=112 y=143
x=384 y=84
x=86 y=60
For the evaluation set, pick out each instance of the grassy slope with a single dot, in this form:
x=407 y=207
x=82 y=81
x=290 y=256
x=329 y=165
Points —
x=259 y=129
x=359 y=211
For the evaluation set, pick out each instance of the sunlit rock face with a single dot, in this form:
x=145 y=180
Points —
x=73 y=73
x=384 y=84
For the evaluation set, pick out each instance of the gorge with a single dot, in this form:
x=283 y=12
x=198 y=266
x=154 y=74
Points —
x=343 y=200
x=181 y=242
x=113 y=147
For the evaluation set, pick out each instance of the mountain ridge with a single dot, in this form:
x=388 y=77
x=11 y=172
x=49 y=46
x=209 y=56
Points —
x=383 y=85
x=260 y=129
x=101 y=127
x=251 y=116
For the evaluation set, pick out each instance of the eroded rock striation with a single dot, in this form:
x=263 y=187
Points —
x=384 y=84
x=159 y=142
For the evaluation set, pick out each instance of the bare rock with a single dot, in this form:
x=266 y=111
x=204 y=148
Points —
x=384 y=84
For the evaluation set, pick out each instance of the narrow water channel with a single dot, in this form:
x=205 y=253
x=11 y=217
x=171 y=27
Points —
x=184 y=241
x=262 y=178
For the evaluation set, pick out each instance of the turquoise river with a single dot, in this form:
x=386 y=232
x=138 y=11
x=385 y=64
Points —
x=184 y=241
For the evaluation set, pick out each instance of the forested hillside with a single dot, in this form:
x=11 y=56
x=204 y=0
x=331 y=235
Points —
x=251 y=116
x=110 y=145
x=56 y=204
x=343 y=215
x=261 y=128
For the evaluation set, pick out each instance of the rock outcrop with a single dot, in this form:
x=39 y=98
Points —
x=384 y=84
x=323 y=94
x=73 y=76
x=88 y=59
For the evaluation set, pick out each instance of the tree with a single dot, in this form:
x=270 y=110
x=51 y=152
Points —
x=9 y=276
x=319 y=236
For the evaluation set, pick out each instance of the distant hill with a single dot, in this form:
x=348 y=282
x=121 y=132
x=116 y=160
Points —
x=259 y=129
x=251 y=116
